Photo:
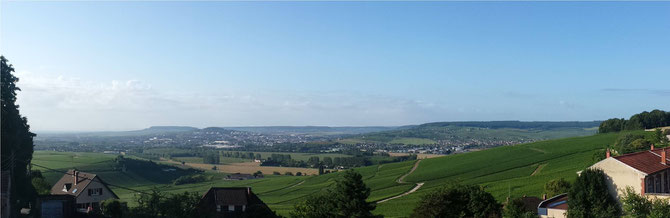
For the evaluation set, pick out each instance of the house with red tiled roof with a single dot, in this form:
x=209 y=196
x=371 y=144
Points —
x=647 y=172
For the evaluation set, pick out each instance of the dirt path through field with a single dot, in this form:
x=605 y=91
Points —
x=400 y=181
x=410 y=172
x=537 y=170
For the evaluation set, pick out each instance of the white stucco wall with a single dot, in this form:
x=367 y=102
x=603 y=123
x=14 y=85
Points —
x=554 y=213
x=84 y=198
x=619 y=176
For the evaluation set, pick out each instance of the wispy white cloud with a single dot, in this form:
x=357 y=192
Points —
x=67 y=103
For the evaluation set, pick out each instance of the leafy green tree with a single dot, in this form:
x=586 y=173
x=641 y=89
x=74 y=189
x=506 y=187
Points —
x=157 y=204
x=515 y=209
x=556 y=186
x=258 y=174
x=456 y=200
x=315 y=206
x=42 y=187
x=114 y=208
x=589 y=196
x=178 y=205
x=16 y=140
x=631 y=142
x=346 y=199
x=635 y=205
x=328 y=161
x=148 y=204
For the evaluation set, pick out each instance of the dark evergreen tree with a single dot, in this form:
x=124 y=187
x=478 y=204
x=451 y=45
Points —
x=17 y=141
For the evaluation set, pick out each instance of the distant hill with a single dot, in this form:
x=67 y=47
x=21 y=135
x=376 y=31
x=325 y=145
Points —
x=538 y=125
x=148 y=131
x=315 y=130
x=477 y=134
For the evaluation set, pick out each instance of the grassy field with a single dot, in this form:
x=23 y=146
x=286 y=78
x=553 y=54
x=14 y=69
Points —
x=504 y=171
x=430 y=134
x=223 y=160
x=279 y=192
x=300 y=156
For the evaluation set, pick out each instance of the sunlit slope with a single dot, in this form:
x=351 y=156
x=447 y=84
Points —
x=510 y=170
x=279 y=192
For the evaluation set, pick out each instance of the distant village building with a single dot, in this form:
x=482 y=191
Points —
x=87 y=188
x=231 y=202
x=555 y=207
x=647 y=172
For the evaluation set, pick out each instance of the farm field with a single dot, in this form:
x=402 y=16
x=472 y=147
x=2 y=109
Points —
x=279 y=192
x=222 y=159
x=299 y=156
x=509 y=170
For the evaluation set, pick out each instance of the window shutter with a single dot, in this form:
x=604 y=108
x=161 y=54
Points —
x=100 y=191
x=89 y=192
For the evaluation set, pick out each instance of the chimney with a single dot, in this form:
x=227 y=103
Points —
x=607 y=154
x=544 y=197
x=652 y=146
x=248 y=190
x=663 y=157
x=76 y=177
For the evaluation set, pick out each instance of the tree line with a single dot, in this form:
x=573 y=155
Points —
x=644 y=120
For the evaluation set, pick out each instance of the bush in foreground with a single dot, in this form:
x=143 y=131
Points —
x=635 y=205
x=346 y=199
x=456 y=200
x=589 y=196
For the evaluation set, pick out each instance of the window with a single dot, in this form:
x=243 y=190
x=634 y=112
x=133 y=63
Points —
x=231 y=208
x=238 y=208
x=67 y=187
x=94 y=191
x=218 y=208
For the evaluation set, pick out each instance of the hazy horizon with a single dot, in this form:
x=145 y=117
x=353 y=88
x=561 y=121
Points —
x=110 y=66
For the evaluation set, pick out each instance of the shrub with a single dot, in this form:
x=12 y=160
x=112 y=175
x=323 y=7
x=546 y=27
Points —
x=556 y=186
x=188 y=179
x=456 y=200
x=346 y=199
x=589 y=196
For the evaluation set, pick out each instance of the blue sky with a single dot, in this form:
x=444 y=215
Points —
x=129 y=65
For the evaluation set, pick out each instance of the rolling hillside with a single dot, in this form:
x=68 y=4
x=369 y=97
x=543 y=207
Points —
x=510 y=170
x=477 y=134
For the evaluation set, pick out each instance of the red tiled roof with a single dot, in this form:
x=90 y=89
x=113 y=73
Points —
x=646 y=161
